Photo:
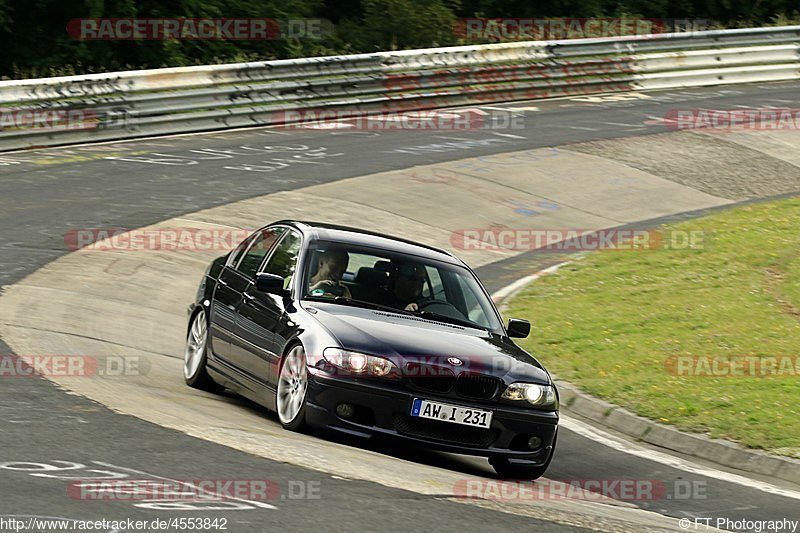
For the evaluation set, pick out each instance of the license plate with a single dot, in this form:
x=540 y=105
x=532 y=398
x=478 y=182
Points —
x=455 y=414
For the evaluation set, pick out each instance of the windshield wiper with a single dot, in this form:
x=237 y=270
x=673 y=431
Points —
x=451 y=320
x=358 y=303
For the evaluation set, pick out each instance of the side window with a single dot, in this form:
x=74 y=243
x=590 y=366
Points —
x=474 y=310
x=237 y=253
x=259 y=246
x=436 y=284
x=284 y=259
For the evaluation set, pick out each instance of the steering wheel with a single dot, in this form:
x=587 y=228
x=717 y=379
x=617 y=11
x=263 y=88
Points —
x=441 y=307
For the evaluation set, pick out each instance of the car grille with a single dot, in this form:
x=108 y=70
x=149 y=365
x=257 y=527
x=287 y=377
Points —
x=477 y=386
x=445 y=432
x=430 y=378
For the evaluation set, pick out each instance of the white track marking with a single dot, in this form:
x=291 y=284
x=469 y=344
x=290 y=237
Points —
x=508 y=135
x=324 y=126
x=223 y=497
x=453 y=138
x=622 y=124
x=510 y=109
x=510 y=289
x=625 y=446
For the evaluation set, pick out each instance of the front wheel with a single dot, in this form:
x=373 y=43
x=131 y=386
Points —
x=292 y=389
x=194 y=357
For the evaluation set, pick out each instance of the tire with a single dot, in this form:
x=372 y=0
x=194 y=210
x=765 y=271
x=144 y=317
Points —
x=292 y=389
x=195 y=356
x=507 y=468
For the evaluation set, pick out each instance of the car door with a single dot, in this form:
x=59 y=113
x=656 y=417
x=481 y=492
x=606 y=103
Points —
x=232 y=282
x=262 y=316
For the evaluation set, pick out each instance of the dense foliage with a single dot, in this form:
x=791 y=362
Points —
x=34 y=40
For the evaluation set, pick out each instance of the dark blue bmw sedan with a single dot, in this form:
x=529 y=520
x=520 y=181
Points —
x=362 y=333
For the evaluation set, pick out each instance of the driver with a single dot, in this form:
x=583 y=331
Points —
x=405 y=287
x=328 y=279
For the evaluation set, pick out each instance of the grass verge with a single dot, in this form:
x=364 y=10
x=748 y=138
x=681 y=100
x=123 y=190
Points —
x=685 y=336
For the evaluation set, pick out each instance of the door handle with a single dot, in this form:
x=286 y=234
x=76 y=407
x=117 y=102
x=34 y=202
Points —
x=248 y=297
x=222 y=282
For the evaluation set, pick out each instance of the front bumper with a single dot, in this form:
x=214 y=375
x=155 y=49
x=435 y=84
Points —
x=383 y=410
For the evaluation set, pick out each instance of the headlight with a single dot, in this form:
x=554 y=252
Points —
x=358 y=363
x=539 y=395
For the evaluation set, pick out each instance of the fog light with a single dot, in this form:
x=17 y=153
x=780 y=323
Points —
x=534 y=443
x=345 y=410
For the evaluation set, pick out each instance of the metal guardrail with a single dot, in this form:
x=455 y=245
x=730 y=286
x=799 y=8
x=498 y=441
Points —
x=123 y=105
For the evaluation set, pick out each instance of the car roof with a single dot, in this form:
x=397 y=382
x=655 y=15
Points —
x=346 y=234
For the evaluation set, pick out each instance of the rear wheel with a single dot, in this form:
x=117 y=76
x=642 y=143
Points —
x=194 y=357
x=292 y=389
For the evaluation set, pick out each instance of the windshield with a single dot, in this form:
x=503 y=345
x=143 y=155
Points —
x=353 y=275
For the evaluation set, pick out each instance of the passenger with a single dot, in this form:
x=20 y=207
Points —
x=405 y=286
x=328 y=279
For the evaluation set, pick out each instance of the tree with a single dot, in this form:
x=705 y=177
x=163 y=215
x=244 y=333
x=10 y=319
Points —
x=400 y=24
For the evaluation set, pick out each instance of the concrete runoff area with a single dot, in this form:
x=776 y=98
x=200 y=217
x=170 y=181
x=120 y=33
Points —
x=732 y=165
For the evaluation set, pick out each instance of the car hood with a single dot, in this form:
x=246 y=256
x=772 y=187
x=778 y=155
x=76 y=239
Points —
x=408 y=338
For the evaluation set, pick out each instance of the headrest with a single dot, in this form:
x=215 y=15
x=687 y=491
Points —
x=371 y=276
x=383 y=266
x=410 y=269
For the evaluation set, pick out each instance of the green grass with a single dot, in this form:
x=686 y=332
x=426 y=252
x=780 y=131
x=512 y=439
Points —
x=610 y=321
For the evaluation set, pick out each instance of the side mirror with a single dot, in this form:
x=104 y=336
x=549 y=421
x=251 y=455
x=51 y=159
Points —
x=518 y=328
x=270 y=283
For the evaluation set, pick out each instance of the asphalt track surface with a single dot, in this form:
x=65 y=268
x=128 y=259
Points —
x=44 y=194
